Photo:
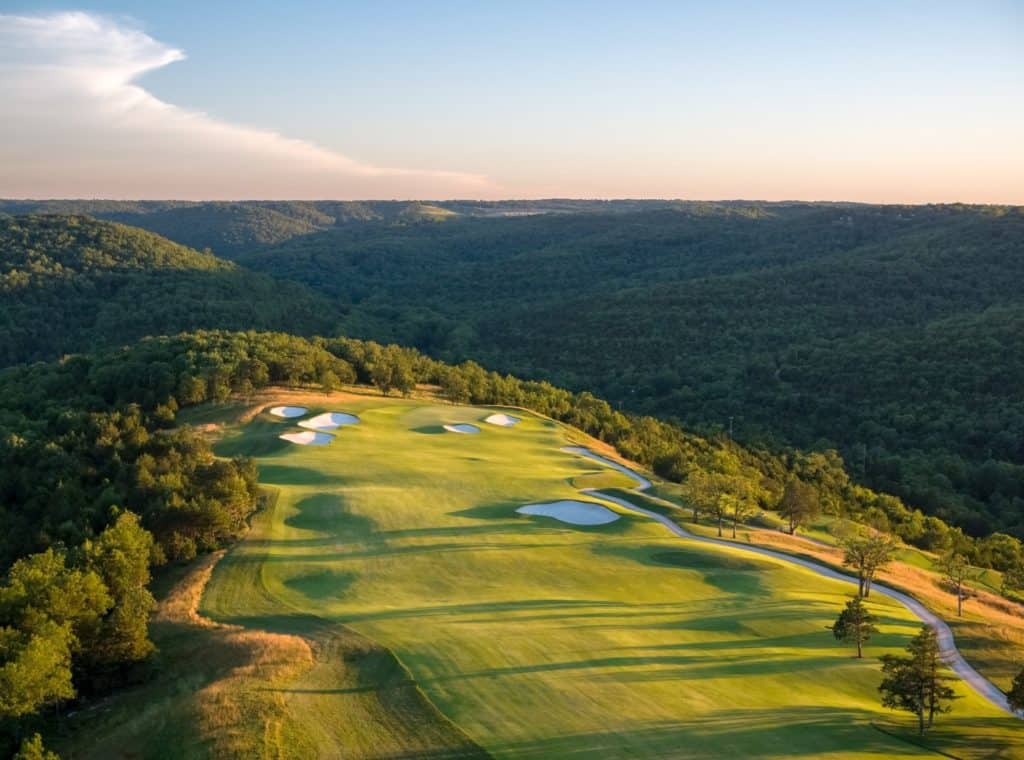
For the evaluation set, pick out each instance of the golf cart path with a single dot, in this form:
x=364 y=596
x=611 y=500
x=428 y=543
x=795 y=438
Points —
x=947 y=645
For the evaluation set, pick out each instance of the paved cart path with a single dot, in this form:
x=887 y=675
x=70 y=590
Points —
x=947 y=644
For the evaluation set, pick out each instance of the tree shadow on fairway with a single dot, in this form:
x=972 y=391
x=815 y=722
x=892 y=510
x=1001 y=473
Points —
x=428 y=430
x=749 y=612
x=783 y=732
x=322 y=584
x=501 y=510
x=961 y=737
x=729 y=574
x=653 y=667
x=327 y=513
x=290 y=475
x=264 y=443
x=374 y=549
x=512 y=526
x=504 y=611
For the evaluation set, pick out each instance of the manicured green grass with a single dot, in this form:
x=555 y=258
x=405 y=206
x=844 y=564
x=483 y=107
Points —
x=538 y=638
x=603 y=479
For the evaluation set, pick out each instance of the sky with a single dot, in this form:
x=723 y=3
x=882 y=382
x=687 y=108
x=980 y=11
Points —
x=886 y=102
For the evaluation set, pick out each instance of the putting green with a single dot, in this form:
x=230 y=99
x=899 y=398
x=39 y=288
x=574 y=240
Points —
x=539 y=638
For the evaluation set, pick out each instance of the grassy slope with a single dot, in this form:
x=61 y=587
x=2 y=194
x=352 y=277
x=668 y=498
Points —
x=538 y=638
x=211 y=680
x=230 y=691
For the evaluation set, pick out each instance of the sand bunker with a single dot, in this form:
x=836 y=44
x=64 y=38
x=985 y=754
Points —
x=329 y=421
x=504 y=420
x=462 y=428
x=308 y=438
x=288 y=411
x=574 y=512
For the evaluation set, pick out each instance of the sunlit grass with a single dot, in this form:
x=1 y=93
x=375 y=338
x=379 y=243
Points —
x=538 y=638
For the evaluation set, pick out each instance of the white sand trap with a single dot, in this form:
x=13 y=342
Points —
x=504 y=420
x=462 y=428
x=574 y=512
x=329 y=421
x=308 y=438
x=288 y=411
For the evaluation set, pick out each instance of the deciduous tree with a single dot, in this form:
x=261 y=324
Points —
x=741 y=508
x=121 y=556
x=955 y=568
x=35 y=669
x=32 y=749
x=799 y=503
x=867 y=551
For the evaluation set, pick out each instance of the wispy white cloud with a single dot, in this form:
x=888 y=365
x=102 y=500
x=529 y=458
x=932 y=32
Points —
x=74 y=122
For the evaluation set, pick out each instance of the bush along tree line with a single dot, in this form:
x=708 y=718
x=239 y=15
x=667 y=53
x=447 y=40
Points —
x=98 y=483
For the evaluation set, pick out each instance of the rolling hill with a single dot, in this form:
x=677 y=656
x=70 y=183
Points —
x=888 y=332
x=70 y=283
x=230 y=229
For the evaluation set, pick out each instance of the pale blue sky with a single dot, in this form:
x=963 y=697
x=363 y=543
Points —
x=884 y=101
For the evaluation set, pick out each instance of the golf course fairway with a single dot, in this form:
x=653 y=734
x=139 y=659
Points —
x=445 y=624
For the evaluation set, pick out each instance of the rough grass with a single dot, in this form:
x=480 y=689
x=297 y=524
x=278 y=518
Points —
x=539 y=639
x=213 y=682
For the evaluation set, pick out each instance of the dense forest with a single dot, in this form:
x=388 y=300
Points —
x=71 y=283
x=890 y=333
x=231 y=229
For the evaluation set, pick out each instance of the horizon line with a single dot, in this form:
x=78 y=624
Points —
x=546 y=199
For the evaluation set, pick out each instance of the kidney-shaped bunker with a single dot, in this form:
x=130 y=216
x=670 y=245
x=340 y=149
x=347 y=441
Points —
x=329 y=421
x=573 y=512
x=462 y=428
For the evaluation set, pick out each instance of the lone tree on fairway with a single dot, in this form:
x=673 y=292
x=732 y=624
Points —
x=799 y=504
x=916 y=683
x=955 y=570
x=1015 y=696
x=867 y=552
x=855 y=623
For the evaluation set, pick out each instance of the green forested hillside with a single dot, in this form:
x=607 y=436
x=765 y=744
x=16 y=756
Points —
x=70 y=283
x=889 y=332
x=235 y=228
